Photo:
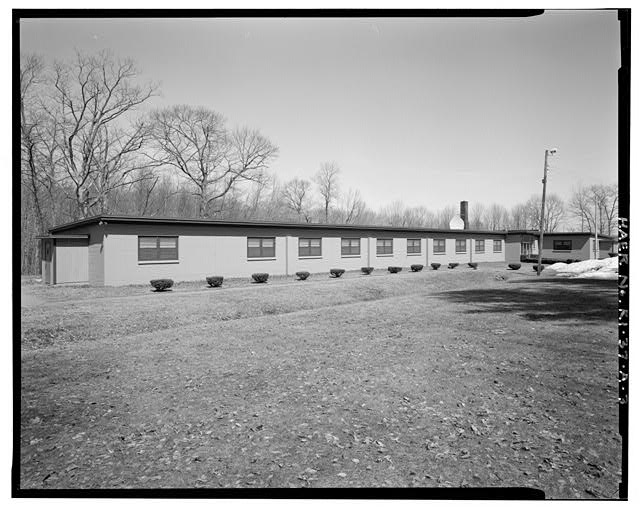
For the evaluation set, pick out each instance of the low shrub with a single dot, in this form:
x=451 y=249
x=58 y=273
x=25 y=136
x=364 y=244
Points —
x=302 y=275
x=453 y=265
x=611 y=255
x=514 y=266
x=416 y=267
x=394 y=270
x=336 y=272
x=161 y=284
x=260 y=277
x=366 y=270
x=214 y=281
x=435 y=266
x=473 y=265
x=535 y=268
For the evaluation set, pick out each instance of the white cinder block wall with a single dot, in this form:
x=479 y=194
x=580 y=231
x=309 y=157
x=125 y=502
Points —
x=331 y=257
x=199 y=256
x=205 y=255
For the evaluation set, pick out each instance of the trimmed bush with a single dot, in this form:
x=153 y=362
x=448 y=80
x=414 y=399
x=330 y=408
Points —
x=394 y=270
x=214 y=281
x=514 y=266
x=473 y=265
x=416 y=267
x=453 y=265
x=161 y=284
x=260 y=277
x=611 y=255
x=302 y=275
x=366 y=270
x=336 y=272
x=435 y=266
x=535 y=268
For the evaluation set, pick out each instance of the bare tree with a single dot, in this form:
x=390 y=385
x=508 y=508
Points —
x=518 y=218
x=443 y=217
x=496 y=217
x=36 y=155
x=297 y=197
x=553 y=212
x=352 y=207
x=584 y=202
x=196 y=142
x=327 y=181
x=477 y=216
x=92 y=99
x=393 y=214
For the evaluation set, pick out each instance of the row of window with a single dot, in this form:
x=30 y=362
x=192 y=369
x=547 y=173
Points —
x=166 y=248
x=562 y=245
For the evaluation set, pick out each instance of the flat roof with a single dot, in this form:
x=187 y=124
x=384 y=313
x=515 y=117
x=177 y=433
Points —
x=64 y=236
x=564 y=234
x=277 y=224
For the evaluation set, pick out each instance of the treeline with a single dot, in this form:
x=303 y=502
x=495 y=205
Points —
x=92 y=145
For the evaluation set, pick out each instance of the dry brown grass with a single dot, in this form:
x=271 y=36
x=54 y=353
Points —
x=447 y=378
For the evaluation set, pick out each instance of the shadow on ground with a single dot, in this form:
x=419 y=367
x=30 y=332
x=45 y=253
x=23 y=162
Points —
x=589 y=301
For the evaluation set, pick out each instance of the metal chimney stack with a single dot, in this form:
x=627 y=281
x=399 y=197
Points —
x=464 y=213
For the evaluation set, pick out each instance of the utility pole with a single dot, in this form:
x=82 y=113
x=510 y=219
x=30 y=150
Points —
x=596 y=248
x=544 y=194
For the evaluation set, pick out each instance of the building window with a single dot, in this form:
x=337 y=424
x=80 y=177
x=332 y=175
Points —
x=309 y=247
x=384 y=246
x=461 y=245
x=497 y=246
x=439 y=246
x=350 y=247
x=156 y=249
x=261 y=247
x=562 y=245
x=479 y=246
x=413 y=246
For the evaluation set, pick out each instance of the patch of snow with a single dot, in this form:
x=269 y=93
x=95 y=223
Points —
x=606 y=269
x=610 y=265
x=557 y=267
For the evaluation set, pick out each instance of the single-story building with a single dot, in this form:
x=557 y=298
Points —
x=560 y=246
x=121 y=250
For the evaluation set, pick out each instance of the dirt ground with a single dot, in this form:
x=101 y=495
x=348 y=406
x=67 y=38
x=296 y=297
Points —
x=440 y=378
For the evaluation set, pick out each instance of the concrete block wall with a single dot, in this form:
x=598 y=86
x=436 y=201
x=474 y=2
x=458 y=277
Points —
x=331 y=256
x=450 y=255
x=201 y=256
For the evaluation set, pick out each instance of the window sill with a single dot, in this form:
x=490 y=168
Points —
x=562 y=250
x=350 y=256
x=309 y=257
x=158 y=262
x=414 y=254
x=461 y=252
x=439 y=254
x=479 y=252
x=384 y=255
x=261 y=259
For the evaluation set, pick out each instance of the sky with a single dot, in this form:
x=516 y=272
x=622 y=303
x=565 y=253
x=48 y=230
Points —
x=425 y=111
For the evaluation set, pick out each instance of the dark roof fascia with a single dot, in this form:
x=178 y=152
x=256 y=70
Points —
x=213 y=222
x=548 y=234
x=64 y=236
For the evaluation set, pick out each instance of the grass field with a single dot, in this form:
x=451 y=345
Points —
x=440 y=378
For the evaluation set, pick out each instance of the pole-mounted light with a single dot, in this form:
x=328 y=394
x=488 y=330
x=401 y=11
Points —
x=547 y=153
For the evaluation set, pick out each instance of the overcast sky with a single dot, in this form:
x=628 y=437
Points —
x=427 y=111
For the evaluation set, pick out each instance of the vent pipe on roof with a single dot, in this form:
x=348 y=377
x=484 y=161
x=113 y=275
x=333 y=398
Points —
x=464 y=213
